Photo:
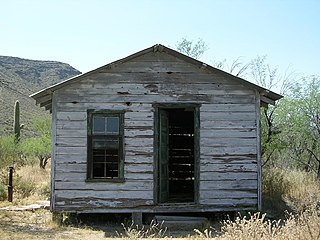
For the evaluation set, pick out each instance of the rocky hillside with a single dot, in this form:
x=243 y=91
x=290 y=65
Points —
x=21 y=77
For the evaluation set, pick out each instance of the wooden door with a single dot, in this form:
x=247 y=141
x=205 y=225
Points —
x=163 y=156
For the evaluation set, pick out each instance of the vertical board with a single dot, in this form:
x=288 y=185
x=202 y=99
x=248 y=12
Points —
x=163 y=156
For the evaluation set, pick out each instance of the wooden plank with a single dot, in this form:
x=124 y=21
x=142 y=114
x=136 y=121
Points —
x=141 y=123
x=216 y=167
x=124 y=106
x=68 y=150
x=229 y=184
x=226 y=160
x=93 y=204
x=227 y=107
x=158 y=57
x=138 y=142
x=209 y=89
x=72 y=158
x=155 y=67
x=227 y=142
x=70 y=177
x=144 y=149
x=229 y=202
x=138 y=159
x=71 y=167
x=229 y=99
x=104 y=186
x=217 y=194
x=71 y=133
x=228 y=133
x=138 y=168
x=111 y=88
x=136 y=116
x=72 y=116
x=204 y=175
x=225 y=124
x=104 y=194
x=198 y=98
x=229 y=116
x=137 y=133
x=139 y=176
x=72 y=142
x=228 y=150
x=67 y=124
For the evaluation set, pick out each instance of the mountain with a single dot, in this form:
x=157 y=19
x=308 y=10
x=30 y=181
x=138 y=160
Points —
x=21 y=77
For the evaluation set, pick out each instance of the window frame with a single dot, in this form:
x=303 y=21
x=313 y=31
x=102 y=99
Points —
x=90 y=137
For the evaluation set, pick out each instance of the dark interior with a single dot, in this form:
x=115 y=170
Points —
x=181 y=155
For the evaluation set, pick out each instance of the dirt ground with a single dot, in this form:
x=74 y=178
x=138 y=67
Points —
x=38 y=224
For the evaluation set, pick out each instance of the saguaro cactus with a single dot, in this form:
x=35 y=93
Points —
x=16 y=122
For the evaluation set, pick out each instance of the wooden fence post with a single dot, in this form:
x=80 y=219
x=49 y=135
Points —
x=10 y=187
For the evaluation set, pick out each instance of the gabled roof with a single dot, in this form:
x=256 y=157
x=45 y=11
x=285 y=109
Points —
x=44 y=96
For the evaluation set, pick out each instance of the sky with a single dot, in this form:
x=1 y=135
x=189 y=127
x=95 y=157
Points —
x=90 y=33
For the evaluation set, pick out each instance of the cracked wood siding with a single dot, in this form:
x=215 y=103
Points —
x=228 y=135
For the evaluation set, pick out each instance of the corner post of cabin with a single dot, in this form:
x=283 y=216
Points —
x=259 y=164
x=53 y=150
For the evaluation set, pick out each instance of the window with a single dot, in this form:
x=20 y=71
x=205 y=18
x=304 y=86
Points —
x=105 y=145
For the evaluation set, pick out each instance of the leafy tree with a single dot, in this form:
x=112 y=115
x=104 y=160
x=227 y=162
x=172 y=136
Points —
x=191 y=48
x=264 y=75
x=40 y=146
x=300 y=121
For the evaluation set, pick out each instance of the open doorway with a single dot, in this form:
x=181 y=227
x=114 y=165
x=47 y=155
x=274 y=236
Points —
x=176 y=166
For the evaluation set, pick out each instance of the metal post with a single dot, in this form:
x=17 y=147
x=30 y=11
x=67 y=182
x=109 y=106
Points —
x=10 y=187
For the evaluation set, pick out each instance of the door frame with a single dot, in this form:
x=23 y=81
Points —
x=196 y=111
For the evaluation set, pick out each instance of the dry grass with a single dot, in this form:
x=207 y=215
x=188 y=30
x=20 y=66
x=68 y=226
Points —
x=291 y=190
x=304 y=191
x=30 y=184
x=304 y=226
x=154 y=230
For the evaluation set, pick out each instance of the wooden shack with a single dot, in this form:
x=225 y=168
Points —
x=156 y=131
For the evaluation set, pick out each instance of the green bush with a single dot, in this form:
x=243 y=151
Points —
x=8 y=151
x=3 y=192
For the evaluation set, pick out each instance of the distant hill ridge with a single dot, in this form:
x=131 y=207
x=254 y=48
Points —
x=18 y=79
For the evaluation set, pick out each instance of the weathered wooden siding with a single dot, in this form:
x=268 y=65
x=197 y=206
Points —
x=228 y=154
x=228 y=134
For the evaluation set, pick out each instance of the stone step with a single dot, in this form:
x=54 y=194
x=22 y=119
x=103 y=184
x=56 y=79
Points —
x=182 y=222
